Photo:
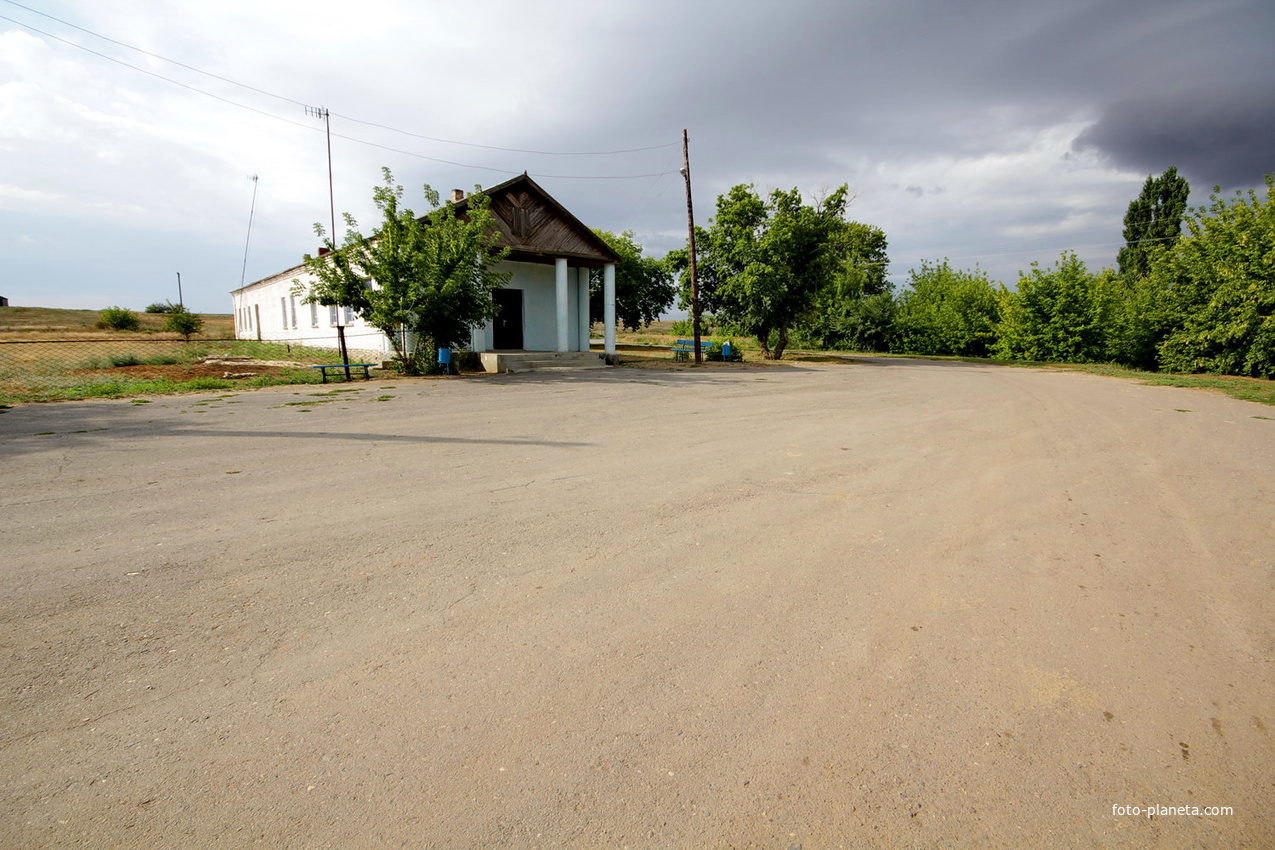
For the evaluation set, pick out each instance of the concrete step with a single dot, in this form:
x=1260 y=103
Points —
x=542 y=361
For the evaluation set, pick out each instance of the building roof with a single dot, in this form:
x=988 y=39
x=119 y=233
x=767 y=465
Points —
x=537 y=229
x=533 y=226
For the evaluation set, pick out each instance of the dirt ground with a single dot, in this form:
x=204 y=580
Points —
x=883 y=604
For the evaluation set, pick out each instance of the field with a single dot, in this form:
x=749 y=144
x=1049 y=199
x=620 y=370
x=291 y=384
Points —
x=48 y=354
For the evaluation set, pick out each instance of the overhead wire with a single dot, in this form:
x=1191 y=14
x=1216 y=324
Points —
x=287 y=99
x=307 y=126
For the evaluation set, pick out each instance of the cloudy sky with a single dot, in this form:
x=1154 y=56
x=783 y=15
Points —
x=991 y=132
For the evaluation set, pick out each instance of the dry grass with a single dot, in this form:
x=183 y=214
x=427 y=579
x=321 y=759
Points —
x=32 y=323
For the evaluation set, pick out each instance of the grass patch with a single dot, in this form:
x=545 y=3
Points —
x=1245 y=389
x=383 y=398
x=120 y=386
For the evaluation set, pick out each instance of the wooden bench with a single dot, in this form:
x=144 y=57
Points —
x=345 y=367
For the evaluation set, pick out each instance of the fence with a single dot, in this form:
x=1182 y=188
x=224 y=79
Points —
x=35 y=370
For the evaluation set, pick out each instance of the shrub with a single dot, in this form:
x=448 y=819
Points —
x=160 y=307
x=125 y=360
x=1061 y=314
x=713 y=351
x=119 y=319
x=946 y=311
x=184 y=322
x=683 y=327
x=162 y=360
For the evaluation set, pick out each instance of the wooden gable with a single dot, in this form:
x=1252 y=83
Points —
x=538 y=229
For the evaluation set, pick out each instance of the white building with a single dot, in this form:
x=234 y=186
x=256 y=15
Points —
x=543 y=308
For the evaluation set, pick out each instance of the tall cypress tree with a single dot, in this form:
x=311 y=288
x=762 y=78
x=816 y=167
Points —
x=1154 y=218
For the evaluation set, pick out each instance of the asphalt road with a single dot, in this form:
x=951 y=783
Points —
x=882 y=604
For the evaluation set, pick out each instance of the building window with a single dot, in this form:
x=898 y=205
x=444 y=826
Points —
x=292 y=300
x=314 y=314
x=349 y=315
x=283 y=307
x=332 y=316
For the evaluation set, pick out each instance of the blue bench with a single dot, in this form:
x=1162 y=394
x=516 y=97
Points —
x=684 y=349
x=345 y=367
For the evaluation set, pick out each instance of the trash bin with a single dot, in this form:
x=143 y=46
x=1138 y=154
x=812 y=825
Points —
x=726 y=351
x=445 y=360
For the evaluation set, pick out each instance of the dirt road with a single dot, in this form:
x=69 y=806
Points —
x=886 y=604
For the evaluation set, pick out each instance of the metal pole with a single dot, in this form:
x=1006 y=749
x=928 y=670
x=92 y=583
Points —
x=327 y=121
x=251 y=212
x=690 y=228
x=180 y=302
x=322 y=112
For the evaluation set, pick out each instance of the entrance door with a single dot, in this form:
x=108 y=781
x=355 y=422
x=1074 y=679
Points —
x=507 y=327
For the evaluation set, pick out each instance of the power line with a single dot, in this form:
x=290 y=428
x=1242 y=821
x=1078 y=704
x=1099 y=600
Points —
x=355 y=139
x=293 y=101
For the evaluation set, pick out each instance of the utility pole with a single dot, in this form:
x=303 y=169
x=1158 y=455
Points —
x=690 y=229
x=322 y=112
x=181 y=303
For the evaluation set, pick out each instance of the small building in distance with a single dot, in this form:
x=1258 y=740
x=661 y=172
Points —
x=543 y=308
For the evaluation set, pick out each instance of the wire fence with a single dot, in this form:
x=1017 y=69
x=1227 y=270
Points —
x=46 y=369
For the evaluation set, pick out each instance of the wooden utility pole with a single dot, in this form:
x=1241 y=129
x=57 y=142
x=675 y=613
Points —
x=690 y=229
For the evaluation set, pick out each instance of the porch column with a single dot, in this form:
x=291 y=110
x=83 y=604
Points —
x=560 y=287
x=608 y=309
x=582 y=299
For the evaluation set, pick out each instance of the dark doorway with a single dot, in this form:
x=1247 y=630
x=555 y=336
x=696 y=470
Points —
x=507 y=328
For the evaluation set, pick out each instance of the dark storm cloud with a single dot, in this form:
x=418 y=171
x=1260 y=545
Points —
x=1228 y=142
x=1166 y=81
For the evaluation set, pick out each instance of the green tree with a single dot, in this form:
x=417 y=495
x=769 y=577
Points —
x=1154 y=218
x=160 y=307
x=1060 y=314
x=182 y=321
x=862 y=251
x=644 y=286
x=763 y=263
x=856 y=310
x=947 y=311
x=1220 y=281
x=424 y=282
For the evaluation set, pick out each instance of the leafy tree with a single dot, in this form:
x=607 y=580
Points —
x=118 y=319
x=863 y=260
x=425 y=283
x=160 y=307
x=856 y=310
x=644 y=286
x=947 y=311
x=1058 y=314
x=1220 y=280
x=764 y=262
x=1142 y=317
x=182 y=321
x=1154 y=218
